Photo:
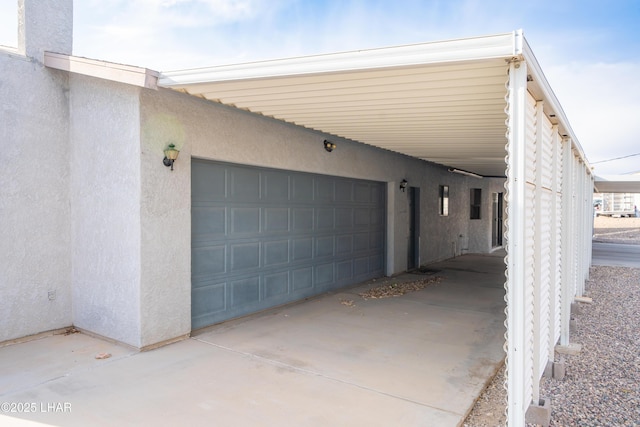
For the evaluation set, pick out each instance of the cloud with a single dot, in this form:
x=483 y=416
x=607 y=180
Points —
x=157 y=34
x=9 y=23
x=601 y=101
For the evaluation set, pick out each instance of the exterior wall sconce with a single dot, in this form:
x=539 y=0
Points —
x=403 y=185
x=170 y=155
x=329 y=146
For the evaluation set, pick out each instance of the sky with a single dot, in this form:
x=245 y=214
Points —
x=589 y=50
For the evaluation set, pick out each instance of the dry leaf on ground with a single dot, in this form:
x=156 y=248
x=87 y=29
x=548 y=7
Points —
x=397 y=289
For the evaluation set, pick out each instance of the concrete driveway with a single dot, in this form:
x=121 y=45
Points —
x=420 y=359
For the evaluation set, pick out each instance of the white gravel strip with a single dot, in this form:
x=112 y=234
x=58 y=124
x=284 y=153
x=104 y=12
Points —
x=602 y=382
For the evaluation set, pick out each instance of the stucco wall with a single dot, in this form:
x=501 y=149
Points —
x=211 y=131
x=34 y=198
x=45 y=25
x=166 y=224
x=105 y=208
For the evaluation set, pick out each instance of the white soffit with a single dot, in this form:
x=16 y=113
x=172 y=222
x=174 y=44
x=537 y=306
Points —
x=441 y=101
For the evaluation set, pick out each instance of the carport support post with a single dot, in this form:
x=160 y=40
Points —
x=568 y=252
x=516 y=239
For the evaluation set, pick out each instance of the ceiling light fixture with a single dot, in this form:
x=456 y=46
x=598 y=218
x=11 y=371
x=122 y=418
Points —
x=329 y=146
x=463 y=172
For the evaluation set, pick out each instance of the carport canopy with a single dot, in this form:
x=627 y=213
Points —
x=443 y=101
x=617 y=184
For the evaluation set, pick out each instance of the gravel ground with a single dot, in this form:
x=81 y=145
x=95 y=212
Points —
x=602 y=382
x=616 y=230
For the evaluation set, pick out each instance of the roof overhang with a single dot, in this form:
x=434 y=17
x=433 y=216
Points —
x=137 y=76
x=443 y=101
x=617 y=184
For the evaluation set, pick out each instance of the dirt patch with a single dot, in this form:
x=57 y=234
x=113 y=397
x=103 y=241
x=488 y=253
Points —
x=397 y=289
x=490 y=410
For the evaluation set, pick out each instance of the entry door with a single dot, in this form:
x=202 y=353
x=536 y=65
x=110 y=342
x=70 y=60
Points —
x=496 y=232
x=265 y=237
x=413 y=255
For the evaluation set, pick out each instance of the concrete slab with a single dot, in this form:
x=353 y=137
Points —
x=570 y=349
x=418 y=359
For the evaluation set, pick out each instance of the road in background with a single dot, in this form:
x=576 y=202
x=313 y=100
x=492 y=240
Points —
x=616 y=254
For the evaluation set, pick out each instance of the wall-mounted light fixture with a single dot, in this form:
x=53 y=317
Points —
x=462 y=172
x=403 y=185
x=329 y=146
x=170 y=155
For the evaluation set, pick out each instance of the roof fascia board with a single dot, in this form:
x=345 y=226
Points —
x=127 y=74
x=550 y=97
x=460 y=50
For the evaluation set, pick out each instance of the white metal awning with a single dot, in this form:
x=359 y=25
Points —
x=441 y=101
x=617 y=183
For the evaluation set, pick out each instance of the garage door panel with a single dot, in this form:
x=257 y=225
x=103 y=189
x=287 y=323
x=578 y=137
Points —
x=324 y=190
x=244 y=184
x=276 y=252
x=362 y=217
x=245 y=291
x=324 y=246
x=303 y=219
x=302 y=188
x=360 y=242
x=376 y=264
x=276 y=220
x=286 y=236
x=363 y=193
x=344 y=270
x=245 y=256
x=302 y=249
x=377 y=194
x=210 y=299
x=344 y=244
x=276 y=285
x=208 y=222
x=376 y=239
x=245 y=221
x=208 y=184
x=377 y=217
x=275 y=188
x=344 y=218
x=302 y=278
x=324 y=219
x=344 y=191
x=324 y=274
x=209 y=260
x=361 y=267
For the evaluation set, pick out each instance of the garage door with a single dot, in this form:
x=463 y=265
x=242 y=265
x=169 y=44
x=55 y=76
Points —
x=265 y=237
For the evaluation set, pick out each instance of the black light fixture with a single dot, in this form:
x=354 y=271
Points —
x=329 y=146
x=403 y=185
x=170 y=155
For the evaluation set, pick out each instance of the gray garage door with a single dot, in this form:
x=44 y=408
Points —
x=265 y=237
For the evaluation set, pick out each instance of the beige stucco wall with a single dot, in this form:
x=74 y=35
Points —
x=105 y=208
x=35 y=278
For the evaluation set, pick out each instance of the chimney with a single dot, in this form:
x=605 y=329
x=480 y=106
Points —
x=45 y=25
